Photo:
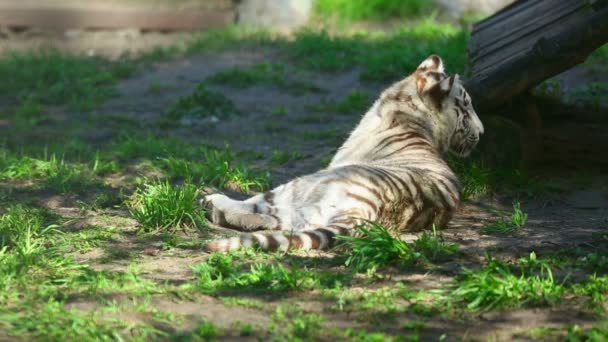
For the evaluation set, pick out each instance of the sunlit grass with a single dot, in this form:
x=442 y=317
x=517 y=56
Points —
x=352 y=10
x=163 y=206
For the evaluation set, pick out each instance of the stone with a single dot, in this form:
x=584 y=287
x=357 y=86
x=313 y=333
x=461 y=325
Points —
x=283 y=15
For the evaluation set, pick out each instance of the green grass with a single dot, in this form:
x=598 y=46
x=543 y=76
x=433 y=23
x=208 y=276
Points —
x=381 y=56
x=497 y=285
x=283 y=157
x=516 y=222
x=357 y=101
x=598 y=60
x=264 y=74
x=21 y=231
x=374 y=246
x=50 y=77
x=353 y=10
x=598 y=332
x=596 y=289
x=216 y=167
x=474 y=177
x=202 y=103
x=227 y=273
x=198 y=163
x=163 y=206
x=51 y=172
x=434 y=248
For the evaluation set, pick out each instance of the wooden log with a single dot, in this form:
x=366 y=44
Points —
x=529 y=42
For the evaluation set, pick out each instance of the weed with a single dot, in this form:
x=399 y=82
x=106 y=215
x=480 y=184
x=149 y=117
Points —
x=201 y=104
x=517 y=221
x=432 y=246
x=518 y=217
x=377 y=248
x=496 y=286
x=162 y=206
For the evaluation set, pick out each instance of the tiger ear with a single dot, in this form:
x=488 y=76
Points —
x=436 y=95
x=431 y=63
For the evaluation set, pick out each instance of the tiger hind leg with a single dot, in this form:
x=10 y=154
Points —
x=242 y=215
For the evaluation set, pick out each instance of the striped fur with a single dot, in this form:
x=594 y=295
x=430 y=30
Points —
x=389 y=170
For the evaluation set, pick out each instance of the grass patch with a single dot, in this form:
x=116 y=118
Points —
x=201 y=164
x=222 y=273
x=217 y=167
x=162 y=206
x=202 y=103
x=432 y=245
x=50 y=77
x=283 y=157
x=497 y=285
x=357 y=101
x=375 y=247
x=599 y=332
x=51 y=172
x=516 y=222
x=384 y=56
x=263 y=74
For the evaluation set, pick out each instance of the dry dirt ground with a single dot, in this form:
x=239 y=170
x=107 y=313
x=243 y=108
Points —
x=568 y=216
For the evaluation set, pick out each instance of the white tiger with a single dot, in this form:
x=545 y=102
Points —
x=390 y=170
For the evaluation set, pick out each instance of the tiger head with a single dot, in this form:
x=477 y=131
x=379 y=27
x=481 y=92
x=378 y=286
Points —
x=449 y=104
